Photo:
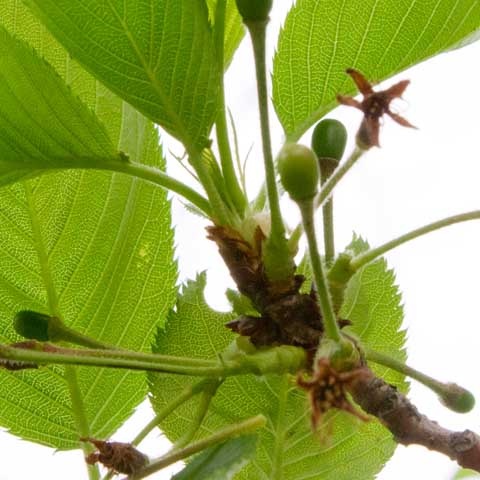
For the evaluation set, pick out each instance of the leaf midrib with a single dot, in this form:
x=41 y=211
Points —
x=153 y=80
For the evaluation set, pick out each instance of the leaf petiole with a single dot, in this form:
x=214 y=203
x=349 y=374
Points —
x=228 y=170
x=277 y=360
x=161 y=179
x=231 y=431
x=371 y=255
x=451 y=395
x=208 y=392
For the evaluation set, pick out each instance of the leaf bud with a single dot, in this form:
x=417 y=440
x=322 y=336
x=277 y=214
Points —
x=457 y=398
x=35 y=325
x=299 y=171
x=254 y=10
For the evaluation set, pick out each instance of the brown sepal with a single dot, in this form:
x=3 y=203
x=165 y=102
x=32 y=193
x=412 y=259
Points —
x=327 y=388
x=374 y=105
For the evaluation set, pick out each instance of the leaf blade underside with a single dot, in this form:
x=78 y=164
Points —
x=220 y=462
x=109 y=245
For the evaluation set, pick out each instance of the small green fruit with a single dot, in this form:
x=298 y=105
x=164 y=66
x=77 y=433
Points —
x=32 y=325
x=457 y=398
x=254 y=10
x=329 y=139
x=299 y=171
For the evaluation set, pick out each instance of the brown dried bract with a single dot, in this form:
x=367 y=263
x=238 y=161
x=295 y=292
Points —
x=328 y=388
x=374 y=105
x=286 y=316
x=117 y=456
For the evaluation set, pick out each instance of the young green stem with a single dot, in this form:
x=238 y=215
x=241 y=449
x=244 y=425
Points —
x=327 y=167
x=231 y=431
x=329 y=320
x=187 y=393
x=205 y=399
x=161 y=179
x=371 y=255
x=257 y=32
x=451 y=395
x=233 y=188
x=219 y=212
x=327 y=189
x=78 y=409
x=278 y=360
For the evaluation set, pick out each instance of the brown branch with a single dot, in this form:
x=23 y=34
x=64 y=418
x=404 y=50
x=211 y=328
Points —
x=409 y=426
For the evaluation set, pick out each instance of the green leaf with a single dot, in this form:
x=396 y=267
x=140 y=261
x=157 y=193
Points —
x=158 y=56
x=322 y=39
x=234 y=31
x=108 y=246
x=43 y=124
x=220 y=462
x=287 y=448
x=373 y=303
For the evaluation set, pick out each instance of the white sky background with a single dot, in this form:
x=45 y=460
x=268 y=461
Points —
x=418 y=176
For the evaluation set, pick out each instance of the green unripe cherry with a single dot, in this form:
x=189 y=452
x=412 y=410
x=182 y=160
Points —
x=329 y=139
x=254 y=10
x=299 y=171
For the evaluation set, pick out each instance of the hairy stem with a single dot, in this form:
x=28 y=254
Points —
x=233 y=188
x=231 y=431
x=330 y=322
x=367 y=257
x=328 y=188
x=257 y=32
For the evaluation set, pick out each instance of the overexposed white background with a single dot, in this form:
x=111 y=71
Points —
x=418 y=176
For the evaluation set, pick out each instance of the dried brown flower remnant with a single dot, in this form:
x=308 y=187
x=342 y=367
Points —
x=327 y=389
x=374 y=105
x=117 y=456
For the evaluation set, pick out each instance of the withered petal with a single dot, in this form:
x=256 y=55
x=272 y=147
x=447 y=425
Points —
x=349 y=101
x=363 y=85
x=396 y=91
x=399 y=119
